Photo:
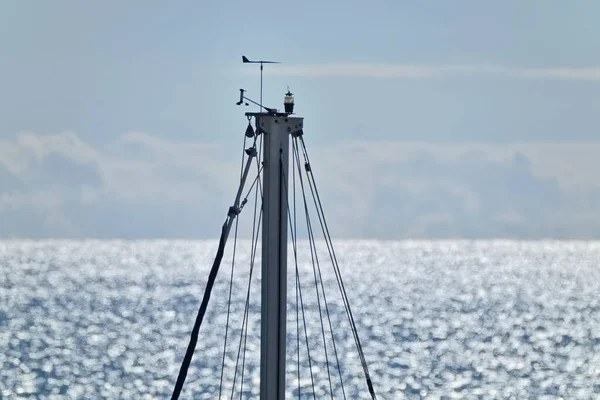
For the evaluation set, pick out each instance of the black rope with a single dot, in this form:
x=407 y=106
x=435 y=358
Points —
x=231 y=216
x=201 y=312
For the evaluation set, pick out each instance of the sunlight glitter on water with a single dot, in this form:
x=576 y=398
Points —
x=442 y=319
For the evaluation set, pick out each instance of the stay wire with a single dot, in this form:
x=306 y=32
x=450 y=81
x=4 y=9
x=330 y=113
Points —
x=346 y=301
x=335 y=266
x=312 y=255
x=295 y=235
x=254 y=245
x=299 y=291
x=315 y=262
x=327 y=235
x=246 y=306
x=231 y=279
x=255 y=236
x=226 y=228
x=310 y=368
x=254 y=182
x=259 y=137
x=244 y=329
x=334 y=262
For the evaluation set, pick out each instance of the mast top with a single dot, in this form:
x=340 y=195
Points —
x=288 y=104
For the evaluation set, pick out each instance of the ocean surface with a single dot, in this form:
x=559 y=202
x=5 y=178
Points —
x=437 y=320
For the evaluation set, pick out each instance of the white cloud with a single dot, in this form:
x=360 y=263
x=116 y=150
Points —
x=51 y=182
x=374 y=70
x=573 y=164
x=146 y=186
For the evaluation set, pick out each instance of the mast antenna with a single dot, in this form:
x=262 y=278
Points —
x=261 y=62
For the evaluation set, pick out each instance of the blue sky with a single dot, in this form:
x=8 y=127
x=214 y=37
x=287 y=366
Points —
x=94 y=93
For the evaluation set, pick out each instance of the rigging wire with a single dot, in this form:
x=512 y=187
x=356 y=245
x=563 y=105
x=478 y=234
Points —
x=299 y=291
x=231 y=277
x=315 y=257
x=247 y=306
x=255 y=236
x=254 y=245
x=202 y=311
x=294 y=236
x=257 y=179
x=293 y=233
x=326 y=234
x=233 y=216
x=228 y=308
x=226 y=228
x=312 y=255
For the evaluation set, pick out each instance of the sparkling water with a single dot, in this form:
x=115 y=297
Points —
x=437 y=320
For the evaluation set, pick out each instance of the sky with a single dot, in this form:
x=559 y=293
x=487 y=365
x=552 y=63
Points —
x=427 y=119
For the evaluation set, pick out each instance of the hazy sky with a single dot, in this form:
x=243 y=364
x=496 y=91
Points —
x=426 y=119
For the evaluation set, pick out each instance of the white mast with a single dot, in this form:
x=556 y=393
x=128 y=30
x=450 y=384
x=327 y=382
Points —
x=276 y=128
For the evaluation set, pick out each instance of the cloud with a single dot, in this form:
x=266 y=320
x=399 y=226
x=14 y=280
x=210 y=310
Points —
x=57 y=185
x=371 y=70
x=468 y=197
x=59 y=170
x=137 y=186
x=9 y=182
x=423 y=190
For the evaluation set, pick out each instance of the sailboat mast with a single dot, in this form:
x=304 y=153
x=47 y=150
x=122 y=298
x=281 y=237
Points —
x=276 y=128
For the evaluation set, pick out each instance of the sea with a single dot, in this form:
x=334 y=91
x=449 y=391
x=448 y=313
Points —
x=491 y=319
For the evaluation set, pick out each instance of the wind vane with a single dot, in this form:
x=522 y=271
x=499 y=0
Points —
x=245 y=60
x=261 y=62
